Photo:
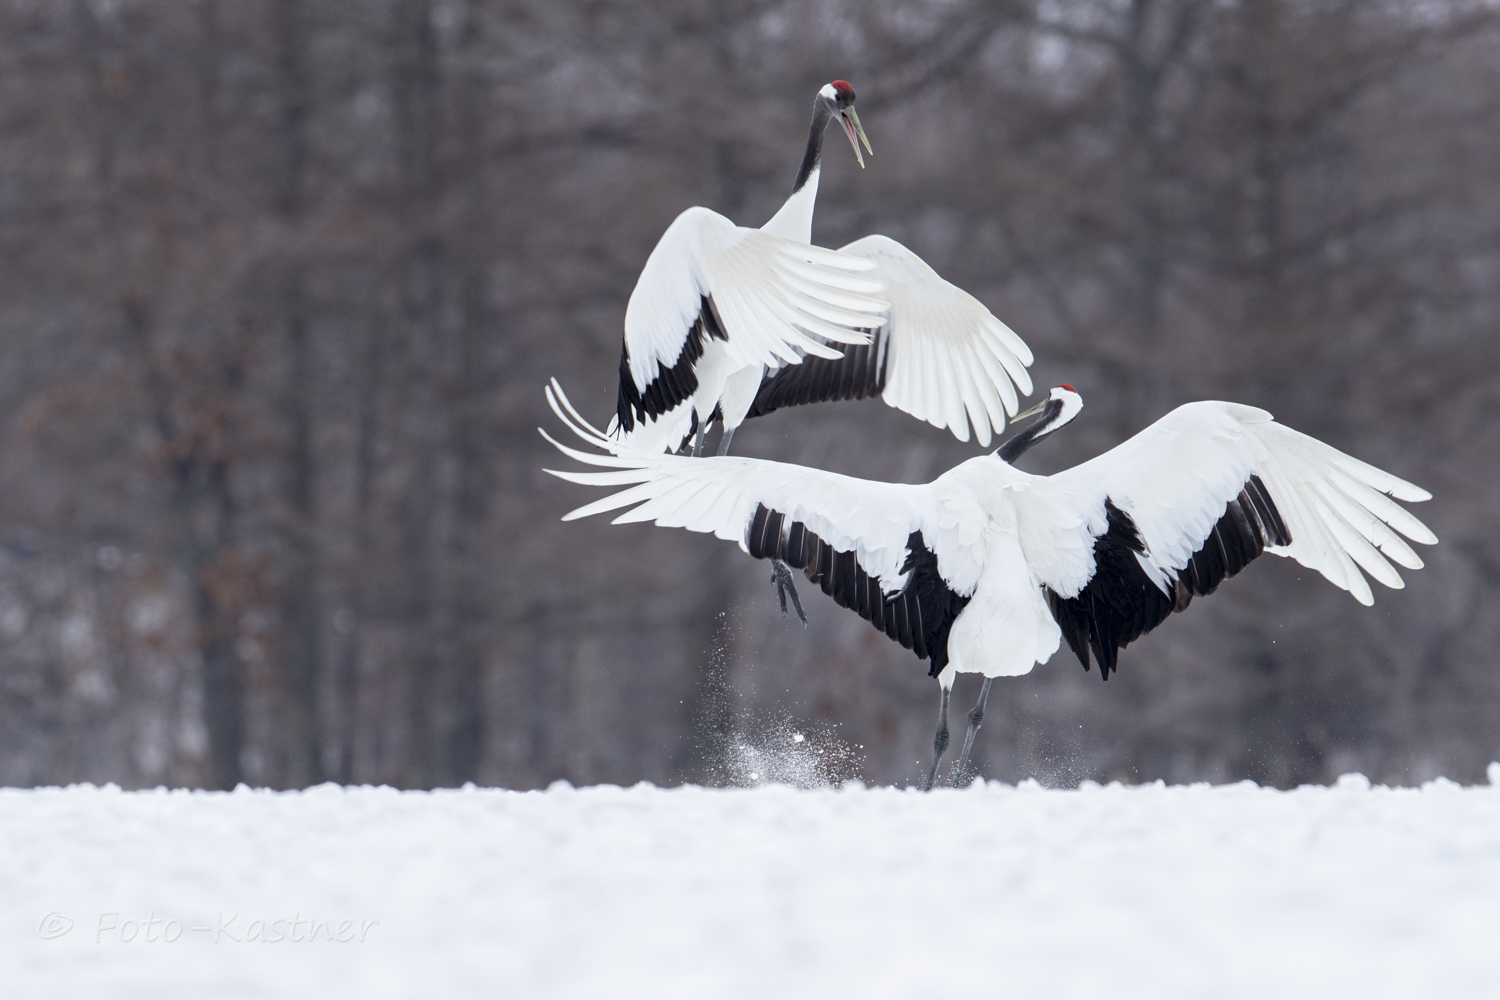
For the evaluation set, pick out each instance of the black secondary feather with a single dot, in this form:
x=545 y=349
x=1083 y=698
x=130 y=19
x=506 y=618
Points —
x=671 y=385
x=919 y=616
x=859 y=374
x=1120 y=603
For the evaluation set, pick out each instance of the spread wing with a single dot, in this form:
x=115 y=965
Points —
x=896 y=554
x=940 y=355
x=770 y=300
x=1123 y=540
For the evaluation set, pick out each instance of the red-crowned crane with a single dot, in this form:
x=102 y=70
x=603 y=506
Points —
x=706 y=337
x=987 y=569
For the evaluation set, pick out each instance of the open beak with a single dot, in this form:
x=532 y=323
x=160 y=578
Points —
x=856 y=134
x=1038 y=408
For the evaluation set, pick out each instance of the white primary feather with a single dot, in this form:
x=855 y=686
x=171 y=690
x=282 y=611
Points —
x=949 y=362
x=872 y=519
x=1176 y=477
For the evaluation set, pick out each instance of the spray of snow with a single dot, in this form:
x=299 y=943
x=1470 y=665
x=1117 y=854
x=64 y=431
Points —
x=781 y=750
x=740 y=748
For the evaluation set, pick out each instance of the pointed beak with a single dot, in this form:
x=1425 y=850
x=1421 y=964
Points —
x=856 y=133
x=1038 y=408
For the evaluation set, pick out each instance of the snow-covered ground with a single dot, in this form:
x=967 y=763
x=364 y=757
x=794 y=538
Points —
x=994 y=890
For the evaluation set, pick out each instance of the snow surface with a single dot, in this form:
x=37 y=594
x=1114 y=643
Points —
x=993 y=890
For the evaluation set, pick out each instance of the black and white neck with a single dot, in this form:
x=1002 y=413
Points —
x=794 y=220
x=1057 y=410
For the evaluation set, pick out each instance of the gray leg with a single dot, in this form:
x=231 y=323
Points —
x=940 y=741
x=782 y=577
x=698 y=441
x=724 y=441
x=976 y=716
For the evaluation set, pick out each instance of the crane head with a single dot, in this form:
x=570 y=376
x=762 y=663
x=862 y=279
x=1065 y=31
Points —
x=1057 y=410
x=841 y=97
x=1060 y=407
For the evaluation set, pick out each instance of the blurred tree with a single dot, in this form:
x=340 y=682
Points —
x=283 y=280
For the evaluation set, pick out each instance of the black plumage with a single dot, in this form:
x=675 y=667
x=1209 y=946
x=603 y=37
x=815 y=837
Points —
x=1018 y=444
x=919 y=617
x=1120 y=603
x=671 y=385
x=859 y=374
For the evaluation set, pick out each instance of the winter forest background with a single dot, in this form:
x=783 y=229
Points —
x=282 y=282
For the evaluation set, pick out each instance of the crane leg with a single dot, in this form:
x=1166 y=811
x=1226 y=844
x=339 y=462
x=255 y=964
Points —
x=940 y=741
x=724 y=441
x=698 y=440
x=976 y=716
x=782 y=577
